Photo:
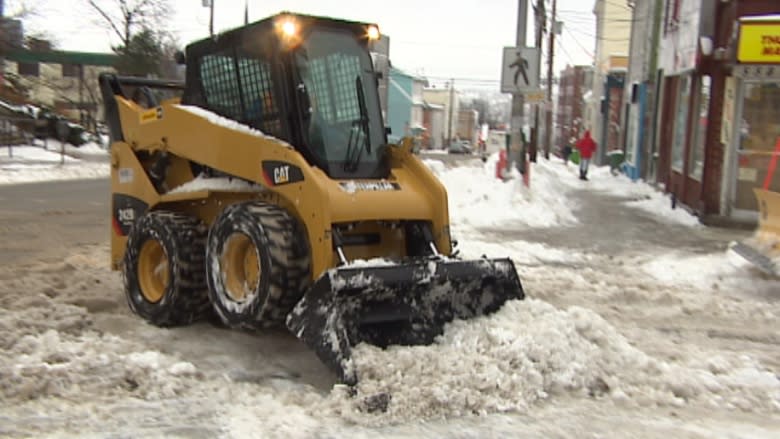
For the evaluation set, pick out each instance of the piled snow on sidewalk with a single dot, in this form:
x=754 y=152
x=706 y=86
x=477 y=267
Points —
x=531 y=351
x=478 y=199
x=29 y=163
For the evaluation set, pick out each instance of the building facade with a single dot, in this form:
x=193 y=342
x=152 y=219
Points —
x=640 y=94
x=574 y=83
x=613 y=32
x=468 y=125
x=745 y=145
x=64 y=81
x=448 y=99
x=714 y=134
x=405 y=104
x=433 y=121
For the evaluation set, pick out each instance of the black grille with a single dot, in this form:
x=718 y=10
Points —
x=241 y=88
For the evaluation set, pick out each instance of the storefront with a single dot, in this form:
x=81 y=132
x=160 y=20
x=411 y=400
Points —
x=635 y=116
x=751 y=116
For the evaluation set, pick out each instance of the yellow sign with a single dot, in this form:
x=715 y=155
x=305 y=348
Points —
x=151 y=115
x=534 y=97
x=759 y=43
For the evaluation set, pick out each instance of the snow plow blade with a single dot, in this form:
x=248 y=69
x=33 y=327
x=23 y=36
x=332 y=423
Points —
x=763 y=248
x=405 y=304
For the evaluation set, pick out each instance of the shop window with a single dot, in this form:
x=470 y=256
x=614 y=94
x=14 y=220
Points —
x=28 y=69
x=680 y=123
x=696 y=159
x=759 y=133
x=70 y=70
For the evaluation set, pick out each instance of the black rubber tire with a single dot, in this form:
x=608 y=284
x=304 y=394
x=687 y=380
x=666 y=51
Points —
x=182 y=239
x=284 y=264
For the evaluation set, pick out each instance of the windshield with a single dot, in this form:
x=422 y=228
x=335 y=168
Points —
x=341 y=117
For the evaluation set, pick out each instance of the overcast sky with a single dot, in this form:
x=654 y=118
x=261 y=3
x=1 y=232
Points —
x=437 y=38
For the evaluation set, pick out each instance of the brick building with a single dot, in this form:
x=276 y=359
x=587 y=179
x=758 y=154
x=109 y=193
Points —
x=574 y=83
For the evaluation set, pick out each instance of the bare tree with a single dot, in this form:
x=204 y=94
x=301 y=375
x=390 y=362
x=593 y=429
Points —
x=10 y=24
x=126 y=17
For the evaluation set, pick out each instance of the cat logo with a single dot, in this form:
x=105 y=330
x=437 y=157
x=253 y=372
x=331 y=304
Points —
x=276 y=173
x=282 y=174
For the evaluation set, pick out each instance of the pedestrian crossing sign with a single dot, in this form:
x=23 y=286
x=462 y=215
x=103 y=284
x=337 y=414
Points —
x=520 y=70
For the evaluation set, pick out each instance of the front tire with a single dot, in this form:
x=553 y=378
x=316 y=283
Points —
x=164 y=270
x=258 y=264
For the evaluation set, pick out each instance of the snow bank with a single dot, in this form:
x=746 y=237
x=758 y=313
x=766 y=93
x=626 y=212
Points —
x=33 y=163
x=531 y=351
x=478 y=199
x=55 y=364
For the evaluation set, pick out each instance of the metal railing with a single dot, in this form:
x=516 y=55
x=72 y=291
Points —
x=21 y=131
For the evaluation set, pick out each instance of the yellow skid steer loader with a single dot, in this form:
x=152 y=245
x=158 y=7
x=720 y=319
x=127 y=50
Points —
x=763 y=248
x=265 y=190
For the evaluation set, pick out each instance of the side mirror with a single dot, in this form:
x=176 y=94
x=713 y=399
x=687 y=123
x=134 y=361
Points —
x=388 y=131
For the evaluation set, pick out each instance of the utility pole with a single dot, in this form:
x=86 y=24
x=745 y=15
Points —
x=518 y=101
x=452 y=109
x=548 y=125
x=541 y=18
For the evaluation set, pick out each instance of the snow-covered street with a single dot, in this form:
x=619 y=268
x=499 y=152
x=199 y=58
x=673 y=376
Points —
x=638 y=322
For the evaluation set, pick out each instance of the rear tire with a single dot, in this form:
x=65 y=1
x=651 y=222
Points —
x=163 y=269
x=258 y=264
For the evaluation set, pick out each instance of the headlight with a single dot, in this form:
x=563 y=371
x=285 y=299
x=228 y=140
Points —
x=373 y=32
x=287 y=27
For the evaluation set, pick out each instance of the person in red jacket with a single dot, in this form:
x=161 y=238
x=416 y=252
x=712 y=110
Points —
x=587 y=147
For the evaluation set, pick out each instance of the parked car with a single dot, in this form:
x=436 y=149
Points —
x=460 y=148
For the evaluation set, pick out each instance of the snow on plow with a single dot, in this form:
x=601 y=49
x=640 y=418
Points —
x=406 y=304
x=763 y=248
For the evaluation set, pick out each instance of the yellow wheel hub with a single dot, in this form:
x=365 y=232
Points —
x=241 y=267
x=153 y=270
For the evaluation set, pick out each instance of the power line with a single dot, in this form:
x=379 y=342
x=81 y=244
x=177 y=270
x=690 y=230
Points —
x=597 y=38
x=577 y=41
x=566 y=52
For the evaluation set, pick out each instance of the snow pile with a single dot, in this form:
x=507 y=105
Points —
x=660 y=205
x=472 y=245
x=479 y=199
x=89 y=149
x=54 y=364
x=531 y=351
x=32 y=163
x=203 y=183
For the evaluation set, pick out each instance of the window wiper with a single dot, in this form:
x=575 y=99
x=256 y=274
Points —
x=354 y=149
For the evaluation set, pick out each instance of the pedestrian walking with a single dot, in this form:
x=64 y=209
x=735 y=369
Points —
x=567 y=151
x=587 y=147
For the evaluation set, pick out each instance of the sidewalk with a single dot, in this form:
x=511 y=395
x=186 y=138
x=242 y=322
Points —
x=607 y=225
